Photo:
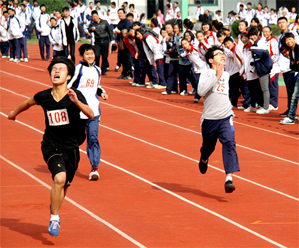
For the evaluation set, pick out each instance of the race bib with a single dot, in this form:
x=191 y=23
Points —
x=221 y=87
x=58 y=117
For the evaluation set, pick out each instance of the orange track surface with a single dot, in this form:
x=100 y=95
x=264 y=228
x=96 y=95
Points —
x=150 y=189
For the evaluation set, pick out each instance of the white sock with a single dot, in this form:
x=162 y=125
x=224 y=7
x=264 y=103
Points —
x=228 y=178
x=54 y=217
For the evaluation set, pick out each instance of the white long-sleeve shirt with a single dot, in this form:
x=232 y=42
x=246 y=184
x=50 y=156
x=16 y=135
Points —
x=217 y=105
x=55 y=38
x=15 y=28
x=199 y=11
x=198 y=64
x=3 y=34
x=250 y=71
x=114 y=16
x=236 y=59
x=24 y=18
x=36 y=13
x=43 y=24
x=152 y=49
x=87 y=81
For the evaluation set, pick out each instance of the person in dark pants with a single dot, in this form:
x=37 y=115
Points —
x=69 y=33
x=43 y=26
x=124 y=54
x=103 y=34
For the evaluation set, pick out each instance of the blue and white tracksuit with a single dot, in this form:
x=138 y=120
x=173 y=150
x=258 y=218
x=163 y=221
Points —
x=87 y=80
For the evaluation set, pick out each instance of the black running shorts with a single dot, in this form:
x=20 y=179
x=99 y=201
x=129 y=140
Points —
x=61 y=161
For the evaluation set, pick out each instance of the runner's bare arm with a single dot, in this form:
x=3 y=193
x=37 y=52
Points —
x=83 y=107
x=22 y=107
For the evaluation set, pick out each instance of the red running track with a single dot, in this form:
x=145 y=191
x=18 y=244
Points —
x=150 y=193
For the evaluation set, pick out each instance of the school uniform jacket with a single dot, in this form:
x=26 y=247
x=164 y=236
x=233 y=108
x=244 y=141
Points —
x=198 y=64
x=236 y=57
x=3 y=34
x=199 y=11
x=15 y=28
x=250 y=72
x=43 y=24
x=87 y=81
x=55 y=37
x=202 y=49
x=151 y=48
x=63 y=31
x=36 y=13
x=24 y=17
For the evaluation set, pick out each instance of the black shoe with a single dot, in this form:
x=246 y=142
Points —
x=121 y=77
x=203 y=166
x=284 y=114
x=229 y=187
x=104 y=73
x=196 y=100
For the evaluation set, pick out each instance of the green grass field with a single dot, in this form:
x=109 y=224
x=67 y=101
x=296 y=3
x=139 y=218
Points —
x=34 y=40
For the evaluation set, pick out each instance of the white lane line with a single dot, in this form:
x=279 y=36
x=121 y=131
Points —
x=196 y=111
x=190 y=130
x=173 y=152
x=186 y=129
x=153 y=185
x=176 y=106
x=73 y=202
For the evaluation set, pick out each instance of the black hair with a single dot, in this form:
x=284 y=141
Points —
x=5 y=12
x=242 y=5
x=220 y=33
x=253 y=31
x=197 y=2
x=129 y=28
x=217 y=25
x=72 y=5
x=200 y=32
x=85 y=47
x=268 y=27
x=113 y=3
x=140 y=30
x=202 y=18
x=179 y=25
x=65 y=9
x=255 y=19
x=190 y=33
x=260 y=4
x=168 y=5
x=289 y=35
x=227 y=39
x=244 y=35
x=183 y=40
x=94 y=12
x=121 y=9
x=23 y=5
x=245 y=22
x=154 y=21
x=53 y=18
x=137 y=24
x=210 y=53
x=297 y=17
x=142 y=15
x=69 y=64
x=132 y=5
x=188 y=23
x=129 y=14
x=42 y=5
x=207 y=23
x=249 y=3
x=282 y=18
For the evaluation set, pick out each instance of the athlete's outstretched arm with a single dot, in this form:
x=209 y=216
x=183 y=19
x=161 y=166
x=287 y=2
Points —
x=83 y=107
x=22 y=107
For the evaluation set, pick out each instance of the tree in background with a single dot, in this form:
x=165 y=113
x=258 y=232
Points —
x=54 y=4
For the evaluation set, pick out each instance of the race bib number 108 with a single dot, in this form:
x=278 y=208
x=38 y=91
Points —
x=58 y=117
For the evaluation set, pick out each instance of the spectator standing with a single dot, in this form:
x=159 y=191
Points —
x=43 y=26
x=103 y=34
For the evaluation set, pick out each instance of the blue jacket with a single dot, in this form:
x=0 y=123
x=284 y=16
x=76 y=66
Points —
x=262 y=60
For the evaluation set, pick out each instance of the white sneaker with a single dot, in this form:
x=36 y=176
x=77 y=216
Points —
x=69 y=56
x=133 y=69
x=94 y=175
x=26 y=60
x=250 y=109
x=11 y=59
x=131 y=82
x=286 y=121
x=184 y=93
x=164 y=92
x=241 y=107
x=262 y=111
x=149 y=86
x=3 y=57
x=272 y=108
x=21 y=59
x=192 y=92
x=149 y=83
x=16 y=60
